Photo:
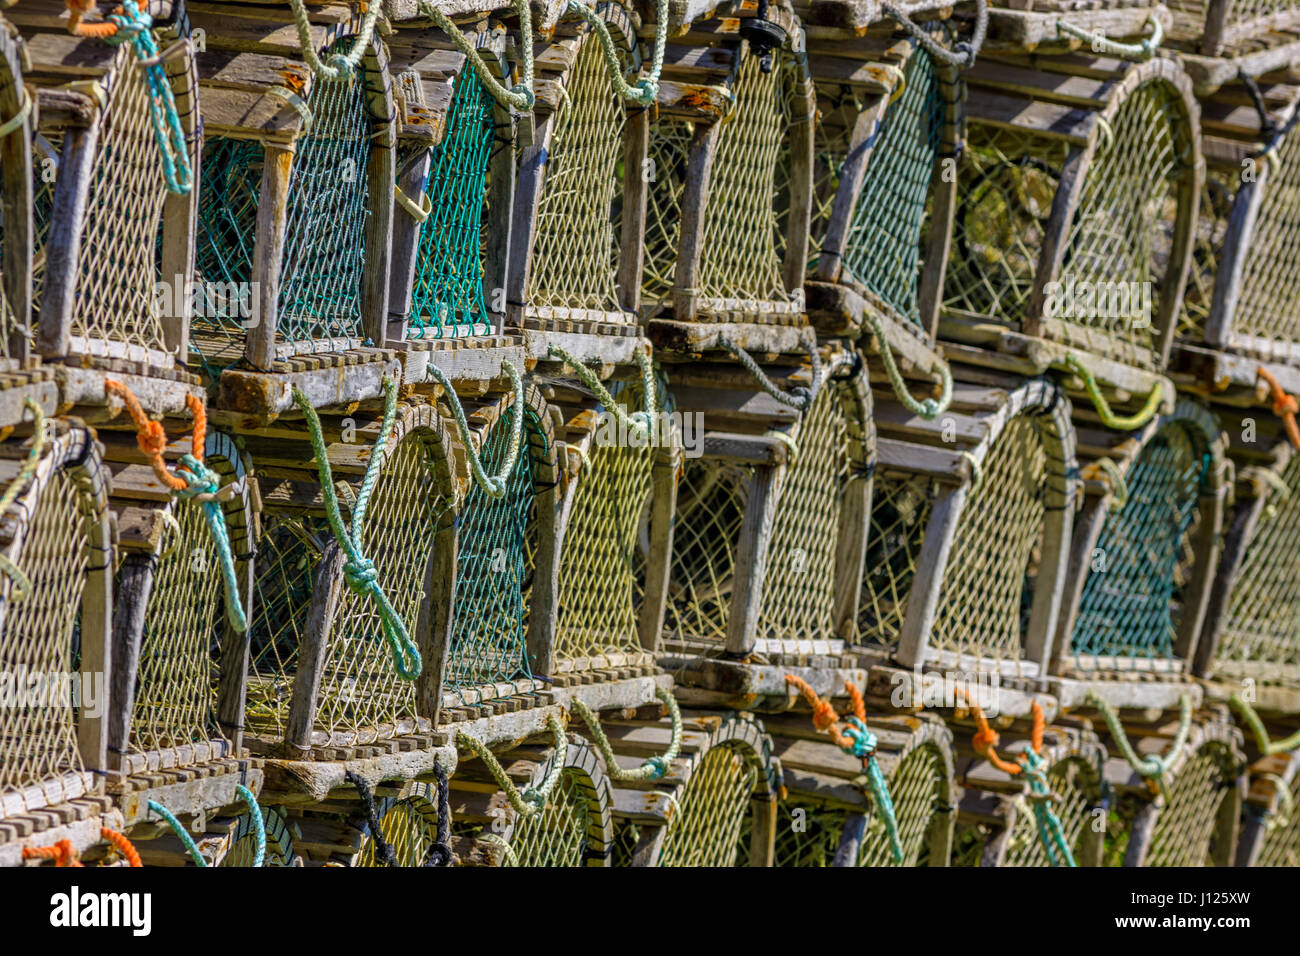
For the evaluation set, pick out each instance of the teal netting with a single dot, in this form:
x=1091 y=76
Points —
x=883 y=247
x=1127 y=608
x=447 y=298
x=489 y=633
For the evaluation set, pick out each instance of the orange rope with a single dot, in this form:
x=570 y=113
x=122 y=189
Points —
x=123 y=846
x=62 y=853
x=152 y=437
x=985 y=740
x=824 y=716
x=1284 y=405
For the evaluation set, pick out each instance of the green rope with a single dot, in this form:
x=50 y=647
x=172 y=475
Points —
x=643 y=422
x=1118 y=486
x=1050 y=831
x=340 y=65
x=1150 y=767
x=653 y=768
x=202 y=486
x=1267 y=748
x=259 y=825
x=181 y=833
x=800 y=398
x=647 y=89
x=1135 y=51
x=359 y=571
x=928 y=408
x=12 y=124
x=1108 y=417
x=530 y=799
x=863 y=746
x=134 y=24
x=520 y=96
x=494 y=486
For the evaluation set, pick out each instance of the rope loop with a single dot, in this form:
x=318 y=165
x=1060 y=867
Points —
x=519 y=97
x=259 y=825
x=1284 y=406
x=963 y=53
x=530 y=800
x=643 y=422
x=62 y=853
x=16 y=121
x=123 y=845
x=1114 y=477
x=1152 y=768
x=494 y=486
x=340 y=65
x=21 y=585
x=1133 y=51
x=440 y=849
x=653 y=768
x=384 y=851
x=1104 y=411
x=646 y=89
x=927 y=408
x=182 y=834
x=799 y=398
x=1267 y=748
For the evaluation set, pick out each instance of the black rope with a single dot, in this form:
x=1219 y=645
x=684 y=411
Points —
x=1269 y=130
x=440 y=850
x=383 y=851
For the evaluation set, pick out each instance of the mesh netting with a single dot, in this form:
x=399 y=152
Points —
x=43 y=169
x=705 y=829
x=831 y=140
x=1281 y=843
x=1126 y=609
x=1217 y=195
x=409 y=826
x=243 y=842
x=488 y=635
x=1077 y=784
x=447 y=295
x=807 y=834
x=1266 y=303
x=559 y=835
x=918 y=786
x=900 y=513
x=1263 y=620
x=1184 y=832
x=667 y=153
x=575 y=255
x=883 y=250
x=981 y=609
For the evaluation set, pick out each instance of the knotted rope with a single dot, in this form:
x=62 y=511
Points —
x=259 y=825
x=1114 y=477
x=440 y=849
x=520 y=96
x=962 y=54
x=1267 y=476
x=1267 y=748
x=1104 y=411
x=857 y=741
x=1285 y=406
x=800 y=398
x=193 y=481
x=653 y=768
x=384 y=851
x=1152 y=768
x=134 y=24
x=62 y=853
x=22 y=586
x=531 y=799
x=1133 y=51
x=646 y=89
x=927 y=408
x=643 y=422
x=340 y=65
x=1269 y=130
x=494 y=486
x=358 y=570
x=123 y=845
x=181 y=833
x=1031 y=766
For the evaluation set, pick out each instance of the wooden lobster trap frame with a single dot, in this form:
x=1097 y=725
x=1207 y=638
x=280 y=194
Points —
x=114 y=228
x=1143 y=560
x=55 y=607
x=828 y=817
x=1076 y=217
x=1270 y=835
x=996 y=823
x=716 y=805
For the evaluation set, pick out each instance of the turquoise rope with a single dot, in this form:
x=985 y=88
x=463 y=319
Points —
x=202 y=480
x=864 y=746
x=134 y=24
x=1050 y=830
x=259 y=825
x=359 y=571
x=181 y=833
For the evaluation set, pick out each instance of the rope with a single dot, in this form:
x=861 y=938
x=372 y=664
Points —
x=1270 y=132
x=1279 y=819
x=1108 y=416
x=340 y=65
x=530 y=799
x=124 y=847
x=1284 y=405
x=181 y=833
x=21 y=585
x=642 y=422
x=359 y=571
x=652 y=769
x=520 y=96
x=1267 y=748
x=928 y=408
x=856 y=741
x=193 y=481
x=62 y=853
x=440 y=850
x=647 y=89
x=962 y=54
x=1153 y=768
x=259 y=825
x=494 y=486
x=1118 y=486
x=134 y=24
x=418 y=212
x=384 y=851
x=799 y=398
x=14 y=122
x=1133 y=51
x=496 y=840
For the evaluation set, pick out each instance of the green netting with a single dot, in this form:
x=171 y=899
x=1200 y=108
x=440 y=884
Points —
x=1281 y=841
x=488 y=642
x=706 y=829
x=900 y=514
x=1078 y=785
x=919 y=787
x=1126 y=608
x=883 y=247
x=575 y=254
x=1184 y=832
x=447 y=298
x=1261 y=633
x=560 y=835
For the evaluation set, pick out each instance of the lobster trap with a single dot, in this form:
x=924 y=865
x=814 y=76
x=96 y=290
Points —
x=1073 y=232
x=829 y=817
x=55 y=594
x=118 y=147
x=1270 y=835
x=1145 y=552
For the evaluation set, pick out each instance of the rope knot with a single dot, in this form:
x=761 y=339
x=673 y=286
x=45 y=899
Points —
x=986 y=738
x=863 y=741
x=152 y=438
x=130 y=21
x=647 y=91
x=656 y=768
x=199 y=478
x=528 y=96
x=824 y=716
x=360 y=574
x=341 y=66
